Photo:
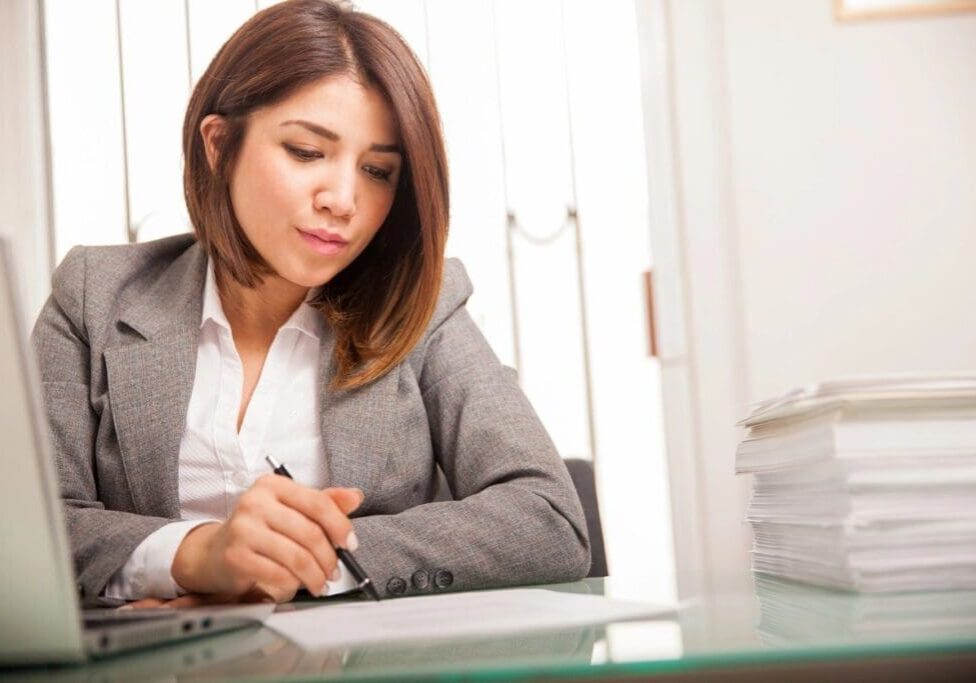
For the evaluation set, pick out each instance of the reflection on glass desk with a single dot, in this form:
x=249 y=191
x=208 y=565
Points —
x=775 y=630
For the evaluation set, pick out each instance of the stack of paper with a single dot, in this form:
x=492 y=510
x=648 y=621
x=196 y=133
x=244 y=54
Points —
x=867 y=484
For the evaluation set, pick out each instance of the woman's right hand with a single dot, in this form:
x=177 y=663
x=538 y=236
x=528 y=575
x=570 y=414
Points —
x=279 y=538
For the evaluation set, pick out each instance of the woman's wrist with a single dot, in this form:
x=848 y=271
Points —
x=192 y=565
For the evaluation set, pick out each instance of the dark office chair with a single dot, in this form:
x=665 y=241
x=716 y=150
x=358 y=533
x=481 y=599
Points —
x=581 y=472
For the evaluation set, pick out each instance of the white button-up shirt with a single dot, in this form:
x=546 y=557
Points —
x=216 y=463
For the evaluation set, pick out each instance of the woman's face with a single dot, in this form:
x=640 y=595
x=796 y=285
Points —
x=315 y=178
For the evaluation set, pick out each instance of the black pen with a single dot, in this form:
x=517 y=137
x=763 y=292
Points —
x=365 y=584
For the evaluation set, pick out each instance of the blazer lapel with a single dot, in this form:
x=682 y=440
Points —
x=150 y=379
x=359 y=427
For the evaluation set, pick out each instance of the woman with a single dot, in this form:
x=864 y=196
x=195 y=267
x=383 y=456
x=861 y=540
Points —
x=311 y=318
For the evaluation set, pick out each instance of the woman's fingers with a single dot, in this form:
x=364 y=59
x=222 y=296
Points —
x=267 y=561
x=308 y=535
x=188 y=600
x=261 y=594
x=346 y=499
x=317 y=506
x=145 y=603
x=200 y=600
x=269 y=594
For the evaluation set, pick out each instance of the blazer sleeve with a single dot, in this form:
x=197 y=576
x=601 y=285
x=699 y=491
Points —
x=516 y=518
x=101 y=540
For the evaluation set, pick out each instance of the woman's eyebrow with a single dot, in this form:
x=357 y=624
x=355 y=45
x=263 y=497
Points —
x=321 y=131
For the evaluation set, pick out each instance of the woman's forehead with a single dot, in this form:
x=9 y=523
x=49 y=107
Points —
x=340 y=105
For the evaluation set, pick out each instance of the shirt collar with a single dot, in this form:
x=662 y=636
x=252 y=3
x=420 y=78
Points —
x=305 y=319
x=212 y=308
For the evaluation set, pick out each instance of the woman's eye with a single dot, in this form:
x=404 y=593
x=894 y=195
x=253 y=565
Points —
x=303 y=154
x=378 y=173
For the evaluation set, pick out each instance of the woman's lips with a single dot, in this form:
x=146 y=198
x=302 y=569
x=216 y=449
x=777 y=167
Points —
x=327 y=247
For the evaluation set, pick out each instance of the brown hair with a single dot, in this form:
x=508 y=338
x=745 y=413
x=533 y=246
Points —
x=381 y=303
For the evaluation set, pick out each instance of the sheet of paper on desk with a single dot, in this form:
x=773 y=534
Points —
x=479 y=613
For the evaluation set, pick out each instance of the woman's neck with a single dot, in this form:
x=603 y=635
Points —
x=255 y=314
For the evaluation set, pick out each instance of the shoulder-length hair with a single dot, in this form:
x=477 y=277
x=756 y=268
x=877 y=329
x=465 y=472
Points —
x=381 y=303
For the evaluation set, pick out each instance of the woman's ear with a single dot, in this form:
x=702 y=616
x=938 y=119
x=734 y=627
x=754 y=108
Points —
x=212 y=127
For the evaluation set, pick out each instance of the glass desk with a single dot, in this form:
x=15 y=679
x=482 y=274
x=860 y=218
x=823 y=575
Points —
x=774 y=630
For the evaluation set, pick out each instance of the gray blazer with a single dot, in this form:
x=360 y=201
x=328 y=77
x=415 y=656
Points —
x=116 y=344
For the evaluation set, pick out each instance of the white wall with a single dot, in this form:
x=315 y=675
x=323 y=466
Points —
x=823 y=183
x=24 y=208
x=854 y=168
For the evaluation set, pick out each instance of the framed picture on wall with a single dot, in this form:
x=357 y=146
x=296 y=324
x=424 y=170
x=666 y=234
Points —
x=846 y=10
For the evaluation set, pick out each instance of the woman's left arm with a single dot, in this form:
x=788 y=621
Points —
x=516 y=518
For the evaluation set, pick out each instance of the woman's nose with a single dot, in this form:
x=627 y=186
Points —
x=338 y=194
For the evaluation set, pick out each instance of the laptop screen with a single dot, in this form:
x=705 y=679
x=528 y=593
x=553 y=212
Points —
x=39 y=618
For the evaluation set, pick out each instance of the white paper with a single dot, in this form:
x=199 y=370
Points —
x=454 y=615
x=905 y=389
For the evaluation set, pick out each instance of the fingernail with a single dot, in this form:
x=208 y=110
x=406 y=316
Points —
x=335 y=576
x=125 y=607
x=362 y=496
x=352 y=542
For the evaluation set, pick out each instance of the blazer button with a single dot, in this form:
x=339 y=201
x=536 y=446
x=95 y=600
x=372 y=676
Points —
x=420 y=579
x=396 y=586
x=443 y=578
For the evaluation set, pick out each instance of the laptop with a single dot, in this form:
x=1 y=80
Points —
x=41 y=620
